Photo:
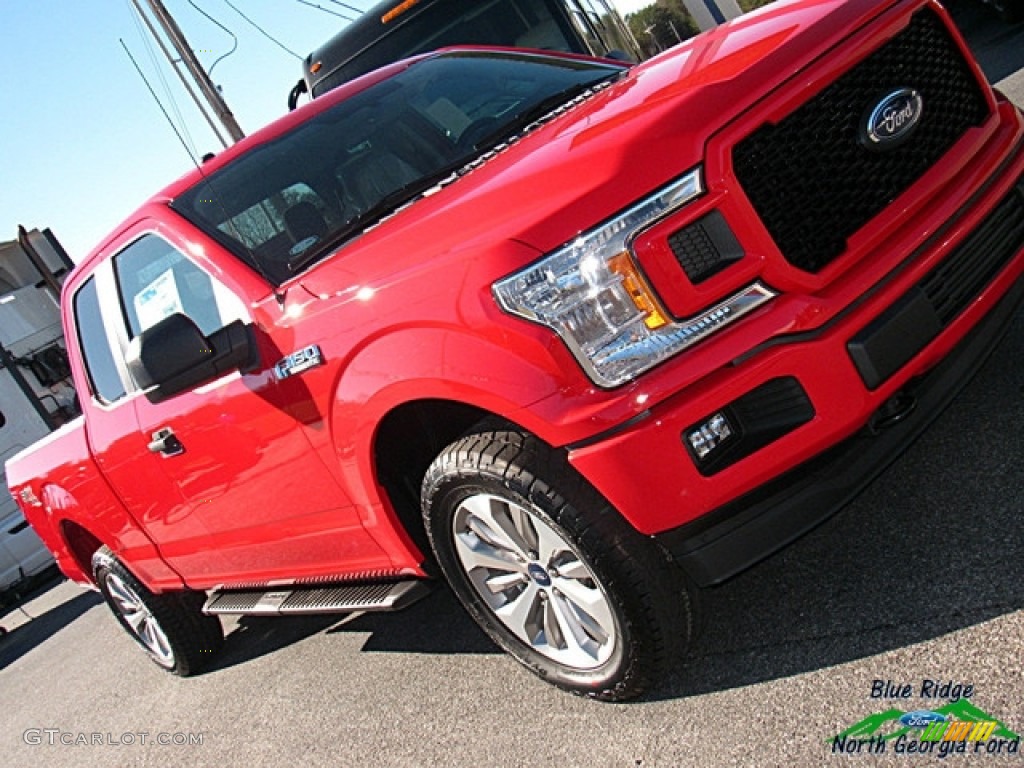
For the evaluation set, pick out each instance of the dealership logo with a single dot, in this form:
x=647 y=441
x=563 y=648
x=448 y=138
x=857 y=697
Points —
x=892 y=120
x=957 y=727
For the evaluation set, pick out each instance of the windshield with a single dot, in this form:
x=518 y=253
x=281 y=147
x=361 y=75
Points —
x=289 y=202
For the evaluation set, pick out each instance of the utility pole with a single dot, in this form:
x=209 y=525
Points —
x=203 y=109
x=675 y=31
x=208 y=89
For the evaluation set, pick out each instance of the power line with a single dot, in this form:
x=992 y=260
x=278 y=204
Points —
x=349 y=7
x=157 y=100
x=167 y=89
x=235 y=39
x=203 y=110
x=195 y=69
x=325 y=10
x=266 y=34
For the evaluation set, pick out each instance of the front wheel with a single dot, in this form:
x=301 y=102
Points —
x=171 y=627
x=549 y=570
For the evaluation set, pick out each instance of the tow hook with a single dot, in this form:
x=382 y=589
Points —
x=893 y=411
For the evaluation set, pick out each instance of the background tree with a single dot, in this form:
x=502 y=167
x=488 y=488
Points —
x=661 y=25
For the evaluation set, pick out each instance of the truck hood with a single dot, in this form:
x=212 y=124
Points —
x=625 y=141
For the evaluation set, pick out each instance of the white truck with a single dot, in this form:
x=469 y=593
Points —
x=36 y=395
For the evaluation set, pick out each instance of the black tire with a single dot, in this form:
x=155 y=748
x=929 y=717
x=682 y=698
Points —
x=496 y=497
x=170 y=627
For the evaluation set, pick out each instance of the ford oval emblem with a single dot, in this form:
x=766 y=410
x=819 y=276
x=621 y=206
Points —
x=921 y=718
x=891 y=121
x=539 y=574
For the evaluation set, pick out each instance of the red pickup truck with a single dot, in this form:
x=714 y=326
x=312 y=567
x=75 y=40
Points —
x=577 y=337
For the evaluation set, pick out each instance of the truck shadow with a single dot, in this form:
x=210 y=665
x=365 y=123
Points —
x=436 y=624
x=250 y=637
x=23 y=639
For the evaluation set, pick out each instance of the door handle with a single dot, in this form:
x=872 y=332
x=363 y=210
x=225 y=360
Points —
x=165 y=442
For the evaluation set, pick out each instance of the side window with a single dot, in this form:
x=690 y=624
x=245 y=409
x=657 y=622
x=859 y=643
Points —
x=92 y=335
x=156 y=280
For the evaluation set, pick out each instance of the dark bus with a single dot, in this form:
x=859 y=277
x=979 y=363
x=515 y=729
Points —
x=395 y=29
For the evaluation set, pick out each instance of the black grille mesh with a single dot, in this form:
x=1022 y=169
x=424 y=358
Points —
x=892 y=339
x=952 y=285
x=812 y=182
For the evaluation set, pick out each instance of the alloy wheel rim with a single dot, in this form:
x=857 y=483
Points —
x=534 y=582
x=140 y=620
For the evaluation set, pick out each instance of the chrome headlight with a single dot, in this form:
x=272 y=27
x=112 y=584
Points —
x=591 y=293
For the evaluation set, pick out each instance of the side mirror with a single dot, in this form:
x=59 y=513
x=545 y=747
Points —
x=174 y=356
x=293 y=97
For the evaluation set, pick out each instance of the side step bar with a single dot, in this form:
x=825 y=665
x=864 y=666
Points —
x=349 y=598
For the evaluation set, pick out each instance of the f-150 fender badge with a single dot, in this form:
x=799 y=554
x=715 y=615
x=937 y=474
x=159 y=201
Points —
x=300 y=361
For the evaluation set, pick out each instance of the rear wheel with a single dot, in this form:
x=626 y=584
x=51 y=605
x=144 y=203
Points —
x=171 y=627
x=549 y=570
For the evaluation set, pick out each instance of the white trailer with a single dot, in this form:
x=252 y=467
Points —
x=36 y=395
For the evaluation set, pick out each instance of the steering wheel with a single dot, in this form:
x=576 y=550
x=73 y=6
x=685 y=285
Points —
x=476 y=131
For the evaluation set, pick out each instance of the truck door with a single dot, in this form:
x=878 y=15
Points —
x=237 y=495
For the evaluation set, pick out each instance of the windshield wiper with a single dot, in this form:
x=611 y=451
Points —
x=539 y=110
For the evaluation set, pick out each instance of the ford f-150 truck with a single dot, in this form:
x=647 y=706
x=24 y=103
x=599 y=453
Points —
x=578 y=338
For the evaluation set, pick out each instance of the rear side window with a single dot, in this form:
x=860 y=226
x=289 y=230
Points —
x=92 y=336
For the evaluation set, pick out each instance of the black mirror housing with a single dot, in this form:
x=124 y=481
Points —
x=174 y=355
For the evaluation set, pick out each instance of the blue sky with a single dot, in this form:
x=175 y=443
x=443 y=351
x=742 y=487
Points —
x=82 y=143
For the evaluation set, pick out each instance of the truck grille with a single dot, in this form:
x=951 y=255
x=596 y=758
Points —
x=809 y=177
x=953 y=285
x=892 y=339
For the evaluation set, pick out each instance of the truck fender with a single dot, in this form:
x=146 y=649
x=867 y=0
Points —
x=416 y=365
x=67 y=519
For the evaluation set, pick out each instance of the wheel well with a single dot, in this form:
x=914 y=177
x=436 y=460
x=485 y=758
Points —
x=81 y=544
x=408 y=440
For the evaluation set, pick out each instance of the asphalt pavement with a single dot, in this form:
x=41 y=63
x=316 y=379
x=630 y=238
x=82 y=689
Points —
x=917 y=587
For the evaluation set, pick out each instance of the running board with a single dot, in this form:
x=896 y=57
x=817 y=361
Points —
x=393 y=596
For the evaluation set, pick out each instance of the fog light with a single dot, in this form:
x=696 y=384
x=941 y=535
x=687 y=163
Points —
x=706 y=437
